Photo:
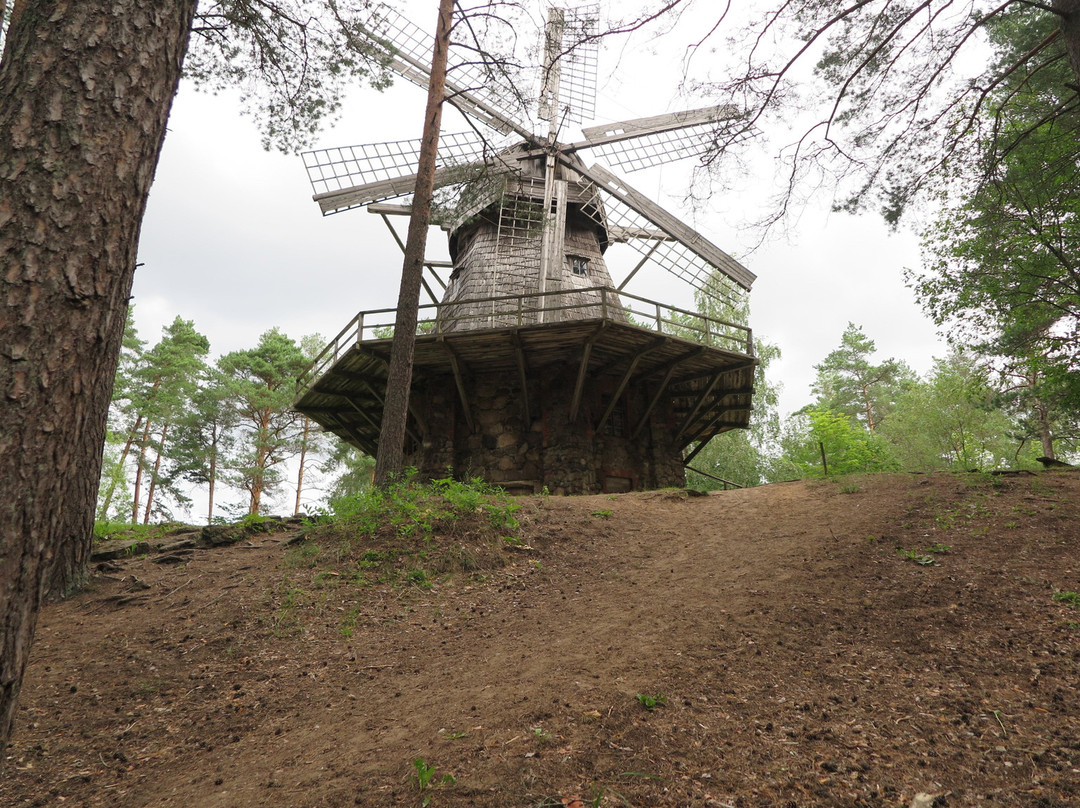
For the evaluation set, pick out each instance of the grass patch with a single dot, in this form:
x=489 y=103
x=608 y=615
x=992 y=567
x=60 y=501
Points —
x=410 y=536
x=1071 y=599
x=106 y=530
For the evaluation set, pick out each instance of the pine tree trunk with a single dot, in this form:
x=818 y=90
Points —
x=123 y=459
x=1069 y=12
x=154 y=475
x=391 y=455
x=1046 y=435
x=85 y=91
x=140 y=461
x=303 y=457
x=213 y=479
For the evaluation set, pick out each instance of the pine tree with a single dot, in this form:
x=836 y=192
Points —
x=259 y=385
x=166 y=380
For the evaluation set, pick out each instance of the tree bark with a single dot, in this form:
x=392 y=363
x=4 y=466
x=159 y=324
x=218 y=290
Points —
x=85 y=92
x=140 y=463
x=1069 y=11
x=213 y=479
x=123 y=459
x=303 y=458
x=152 y=488
x=391 y=455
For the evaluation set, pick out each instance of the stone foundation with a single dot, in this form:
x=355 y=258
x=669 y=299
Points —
x=547 y=451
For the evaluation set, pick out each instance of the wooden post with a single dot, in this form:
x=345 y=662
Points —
x=390 y=459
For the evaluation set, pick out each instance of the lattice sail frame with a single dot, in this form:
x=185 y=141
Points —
x=627 y=226
x=344 y=167
x=648 y=151
x=569 y=67
x=494 y=83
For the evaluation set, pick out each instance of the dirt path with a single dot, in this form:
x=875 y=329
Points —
x=801 y=657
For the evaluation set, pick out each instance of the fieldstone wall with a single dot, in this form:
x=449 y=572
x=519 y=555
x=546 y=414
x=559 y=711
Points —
x=549 y=451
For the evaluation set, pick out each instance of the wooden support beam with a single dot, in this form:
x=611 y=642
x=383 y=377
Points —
x=626 y=379
x=692 y=415
x=712 y=476
x=693 y=454
x=352 y=375
x=663 y=386
x=708 y=374
x=455 y=366
x=377 y=427
x=366 y=382
x=575 y=401
x=523 y=376
x=386 y=220
x=674 y=363
x=368 y=446
x=641 y=263
x=720 y=413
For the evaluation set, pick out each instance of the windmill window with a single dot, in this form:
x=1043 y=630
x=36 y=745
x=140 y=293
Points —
x=579 y=265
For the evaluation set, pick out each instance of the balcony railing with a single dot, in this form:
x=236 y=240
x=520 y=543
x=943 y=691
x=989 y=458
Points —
x=462 y=316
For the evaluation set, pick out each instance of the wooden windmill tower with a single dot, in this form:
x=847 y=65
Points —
x=531 y=369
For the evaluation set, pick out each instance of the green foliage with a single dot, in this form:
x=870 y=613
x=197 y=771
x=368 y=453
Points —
x=915 y=556
x=108 y=530
x=152 y=390
x=352 y=468
x=293 y=59
x=651 y=702
x=415 y=510
x=848 y=448
x=1069 y=598
x=1002 y=255
x=849 y=383
x=425 y=779
x=744 y=457
x=205 y=436
x=258 y=386
x=952 y=421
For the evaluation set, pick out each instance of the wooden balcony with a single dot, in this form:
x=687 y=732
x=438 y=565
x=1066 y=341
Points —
x=702 y=364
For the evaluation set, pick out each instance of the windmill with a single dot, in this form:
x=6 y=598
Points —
x=532 y=369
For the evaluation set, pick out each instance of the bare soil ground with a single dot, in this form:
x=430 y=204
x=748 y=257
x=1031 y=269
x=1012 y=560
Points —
x=797 y=656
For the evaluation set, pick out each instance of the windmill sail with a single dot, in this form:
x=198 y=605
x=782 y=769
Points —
x=647 y=142
x=568 y=74
x=685 y=253
x=483 y=89
x=352 y=176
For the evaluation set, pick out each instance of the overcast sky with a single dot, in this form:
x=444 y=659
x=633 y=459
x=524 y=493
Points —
x=233 y=241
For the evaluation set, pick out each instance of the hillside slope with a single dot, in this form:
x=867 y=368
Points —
x=803 y=655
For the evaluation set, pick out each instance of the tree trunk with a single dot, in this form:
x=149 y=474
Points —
x=391 y=455
x=1046 y=435
x=303 y=457
x=1069 y=11
x=140 y=461
x=85 y=91
x=213 y=479
x=123 y=459
x=154 y=475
